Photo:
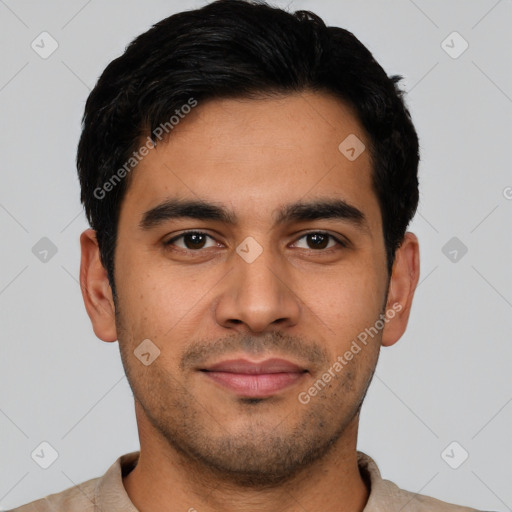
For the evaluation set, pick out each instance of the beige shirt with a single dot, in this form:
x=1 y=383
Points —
x=108 y=493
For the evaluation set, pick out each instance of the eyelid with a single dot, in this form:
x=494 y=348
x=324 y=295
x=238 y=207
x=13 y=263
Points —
x=189 y=232
x=337 y=238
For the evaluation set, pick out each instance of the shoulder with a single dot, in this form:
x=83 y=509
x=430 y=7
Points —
x=385 y=496
x=104 y=493
x=77 y=498
x=413 y=502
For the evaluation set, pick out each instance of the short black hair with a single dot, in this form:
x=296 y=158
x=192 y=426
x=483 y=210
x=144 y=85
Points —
x=239 y=48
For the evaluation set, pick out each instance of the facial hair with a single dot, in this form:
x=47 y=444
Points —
x=270 y=449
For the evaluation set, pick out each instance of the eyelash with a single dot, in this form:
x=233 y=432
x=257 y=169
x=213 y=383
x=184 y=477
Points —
x=171 y=241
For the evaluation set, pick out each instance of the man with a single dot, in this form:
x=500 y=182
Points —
x=249 y=175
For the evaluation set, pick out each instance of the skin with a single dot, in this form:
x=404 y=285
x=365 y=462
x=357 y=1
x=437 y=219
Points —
x=203 y=446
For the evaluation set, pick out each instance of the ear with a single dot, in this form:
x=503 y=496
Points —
x=96 y=290
x=403 y=282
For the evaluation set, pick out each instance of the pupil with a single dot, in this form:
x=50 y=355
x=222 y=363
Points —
x=196 y=240
x=319 y=240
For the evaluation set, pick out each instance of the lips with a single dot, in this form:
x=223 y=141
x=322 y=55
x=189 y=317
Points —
x=255 y=379
x=250 y=367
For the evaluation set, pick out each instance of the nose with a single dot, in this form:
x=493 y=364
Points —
x=258 y=296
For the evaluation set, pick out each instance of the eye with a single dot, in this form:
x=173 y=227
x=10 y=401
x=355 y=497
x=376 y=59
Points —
x=318 y=240
x=197 y=240
x=191 y=240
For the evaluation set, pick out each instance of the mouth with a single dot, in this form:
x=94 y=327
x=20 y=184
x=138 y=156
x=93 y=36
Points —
x=252 y=379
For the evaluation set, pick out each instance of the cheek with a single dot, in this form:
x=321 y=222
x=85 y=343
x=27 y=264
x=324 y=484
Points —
x=346 y=303
x=158 y=298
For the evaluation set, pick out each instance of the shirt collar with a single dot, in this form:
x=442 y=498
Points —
x=110 y=494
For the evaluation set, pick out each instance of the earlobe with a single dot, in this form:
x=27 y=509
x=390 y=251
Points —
x=96 y=290
x=403 y=282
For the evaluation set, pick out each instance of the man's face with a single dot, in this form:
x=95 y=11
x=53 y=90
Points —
x=264 y=286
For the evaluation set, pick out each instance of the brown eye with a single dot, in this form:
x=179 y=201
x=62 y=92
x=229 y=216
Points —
x=192 y=240
x=319 y=240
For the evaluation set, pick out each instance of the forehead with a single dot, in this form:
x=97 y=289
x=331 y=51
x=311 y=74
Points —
x=254 y=155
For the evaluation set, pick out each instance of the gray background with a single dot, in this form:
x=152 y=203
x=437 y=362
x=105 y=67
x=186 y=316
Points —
x=448 y=379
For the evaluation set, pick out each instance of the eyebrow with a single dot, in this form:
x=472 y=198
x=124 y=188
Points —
x=174 y=208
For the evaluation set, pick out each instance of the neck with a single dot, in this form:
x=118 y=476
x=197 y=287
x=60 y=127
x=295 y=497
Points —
x=166 y=480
